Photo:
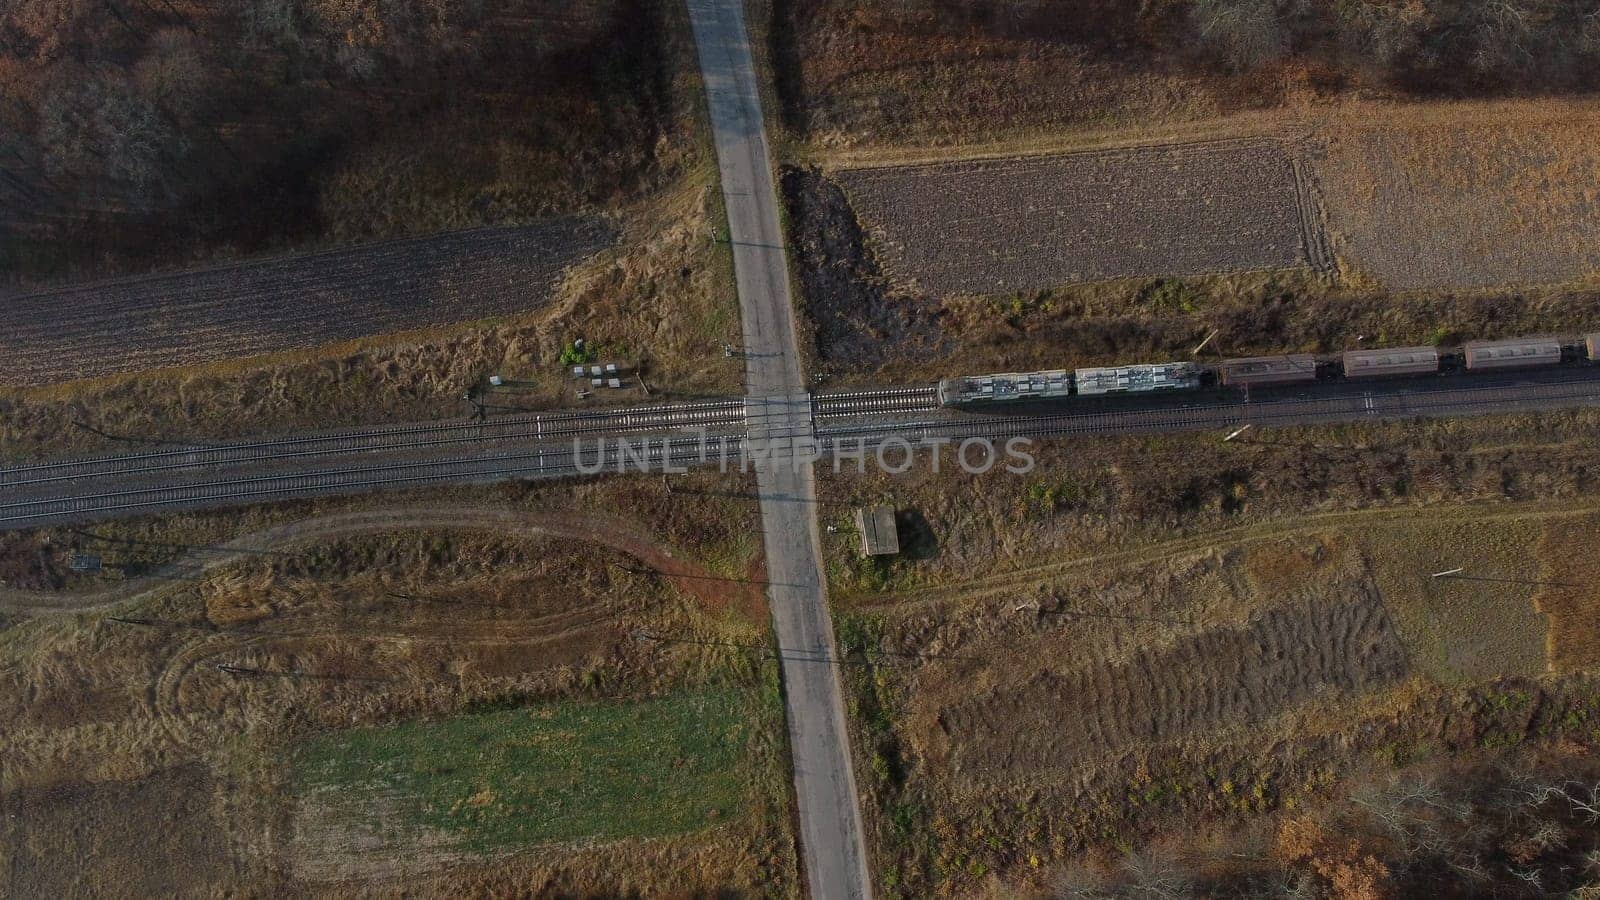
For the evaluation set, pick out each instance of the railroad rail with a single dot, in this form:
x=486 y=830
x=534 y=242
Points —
x=543 y=462
x=539 y=426
x=1463 y=401
x=85 y=498
x=924 y=398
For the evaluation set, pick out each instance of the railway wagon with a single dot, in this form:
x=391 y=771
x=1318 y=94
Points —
x=1005 y=388
x=1391 y=361
x=1518 y=353
x=1257 y=371
x=1137 y=379
x=1591 y=346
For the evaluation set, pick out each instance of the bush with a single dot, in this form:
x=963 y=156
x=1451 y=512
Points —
x=573 y=355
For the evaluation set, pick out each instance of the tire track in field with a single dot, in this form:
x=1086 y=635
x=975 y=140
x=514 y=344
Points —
x=618 y=534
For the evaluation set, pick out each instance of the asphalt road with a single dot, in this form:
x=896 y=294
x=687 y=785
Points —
x=832 y=841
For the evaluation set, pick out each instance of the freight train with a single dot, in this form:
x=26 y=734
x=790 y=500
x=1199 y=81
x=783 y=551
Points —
x=1262 y=371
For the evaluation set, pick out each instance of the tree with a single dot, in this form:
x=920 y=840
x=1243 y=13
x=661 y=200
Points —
x=47 y=28
x=171 y=73
x=270 y=24
x=115 y=143
x=1246 y=34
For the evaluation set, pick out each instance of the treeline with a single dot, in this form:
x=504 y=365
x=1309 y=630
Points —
x=225 y=119
x=1450 y=46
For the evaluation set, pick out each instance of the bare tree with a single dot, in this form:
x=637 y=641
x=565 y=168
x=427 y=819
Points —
x=271 y=24
x=1246 y=34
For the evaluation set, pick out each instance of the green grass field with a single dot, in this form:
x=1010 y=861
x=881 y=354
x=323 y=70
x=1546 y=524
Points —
x=552 y=773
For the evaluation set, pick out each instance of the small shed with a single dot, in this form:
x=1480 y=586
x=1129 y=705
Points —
x=879 y=534
x=1391 y=361
x=1513 y=354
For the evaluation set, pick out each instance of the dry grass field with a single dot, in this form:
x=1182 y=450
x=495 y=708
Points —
x=1019 y=225
x=240 y=696
x=289 y=303
x=1568 y=595
x=1159 y=636
x=1465 y=196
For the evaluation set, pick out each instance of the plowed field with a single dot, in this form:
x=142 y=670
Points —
x=288 y=302
x=1002 y=226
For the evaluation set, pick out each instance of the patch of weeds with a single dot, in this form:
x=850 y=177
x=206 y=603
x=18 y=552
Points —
x=575 y=355
x=1170 y=294
x=1050 y=496
x=902 y=820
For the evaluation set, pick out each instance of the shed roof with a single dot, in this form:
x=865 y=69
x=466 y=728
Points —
x=879 y=535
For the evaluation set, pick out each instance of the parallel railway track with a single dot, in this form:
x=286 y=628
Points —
x=1450 y=401
x=93 y=489
x=536 y=427
x=544 y=462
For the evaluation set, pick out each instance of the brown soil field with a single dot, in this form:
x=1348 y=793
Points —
x=1019 y=225
x=1465 y=196
x=115 y=824
x=91 y=330
x=178 y=696
x=1339 y=640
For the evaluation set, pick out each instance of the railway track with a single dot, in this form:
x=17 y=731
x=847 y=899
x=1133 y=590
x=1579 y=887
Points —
x=1298 y=411
x=105 y=494
x=537 y=427
x=924 y=398
x=544 y=462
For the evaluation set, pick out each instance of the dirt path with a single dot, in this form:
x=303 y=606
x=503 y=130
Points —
x=1011 y=581
x=615 y=533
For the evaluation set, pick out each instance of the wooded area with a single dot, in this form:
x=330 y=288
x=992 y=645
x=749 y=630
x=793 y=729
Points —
x=1451 y=46
x=145 y=133
x=836 y=58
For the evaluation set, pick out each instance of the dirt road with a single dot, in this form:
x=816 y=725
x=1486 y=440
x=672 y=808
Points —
x=832 y=842
x=617 y=534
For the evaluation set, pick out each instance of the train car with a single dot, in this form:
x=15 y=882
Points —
x=1260 y=371
x=1391 y=361
x=1519 y=353
x=1591 y=346
x=982 y=390
x=1137 y=379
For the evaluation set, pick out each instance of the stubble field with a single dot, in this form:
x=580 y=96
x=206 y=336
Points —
x=1017 y=225
x=1464 y=196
